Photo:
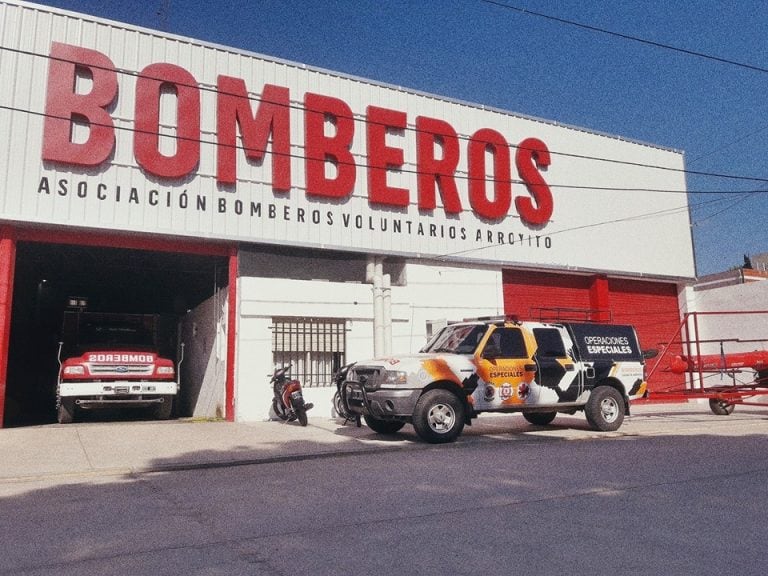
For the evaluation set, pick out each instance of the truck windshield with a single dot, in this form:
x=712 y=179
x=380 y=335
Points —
x=458 y=339
x=114 y=334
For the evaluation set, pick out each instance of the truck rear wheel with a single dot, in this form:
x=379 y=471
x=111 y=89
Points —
x=66 y=411
x=605 y=409
x=438 y=417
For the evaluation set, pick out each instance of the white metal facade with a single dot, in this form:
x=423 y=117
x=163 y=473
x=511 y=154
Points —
x=618 y=207
x=608 y=213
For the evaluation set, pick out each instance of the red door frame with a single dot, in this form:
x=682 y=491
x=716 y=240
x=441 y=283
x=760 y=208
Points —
x=10 y=236
x=7 y=269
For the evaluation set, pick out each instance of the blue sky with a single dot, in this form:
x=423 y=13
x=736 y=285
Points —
x=488 y=53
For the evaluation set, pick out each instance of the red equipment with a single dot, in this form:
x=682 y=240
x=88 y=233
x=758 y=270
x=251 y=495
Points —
x=757 y=360
x=751 y=367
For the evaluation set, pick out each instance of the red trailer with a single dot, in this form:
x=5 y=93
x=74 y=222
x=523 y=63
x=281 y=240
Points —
x=733 y=375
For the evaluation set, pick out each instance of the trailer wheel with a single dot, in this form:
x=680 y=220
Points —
x=438 y=417
x=605 y=409
x=539 y=418
x=66 y=411
x=720 y=407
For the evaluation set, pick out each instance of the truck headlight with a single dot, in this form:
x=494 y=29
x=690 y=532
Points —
x=165 y=370
x=74 y=370
x=394 y=378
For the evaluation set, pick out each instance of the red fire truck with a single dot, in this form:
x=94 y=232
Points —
x=114 y=360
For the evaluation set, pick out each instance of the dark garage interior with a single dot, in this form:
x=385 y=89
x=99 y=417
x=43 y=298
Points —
x=110 y=280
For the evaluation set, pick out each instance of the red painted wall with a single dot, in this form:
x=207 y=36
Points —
x=651 y=307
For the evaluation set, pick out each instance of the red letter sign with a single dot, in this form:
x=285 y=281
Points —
x=63 y=105
x=533 y=154
x=382 y=157
x=152 y=81
x=321 y=149
x=433 y=171
x=272 y=117
x=483 y=140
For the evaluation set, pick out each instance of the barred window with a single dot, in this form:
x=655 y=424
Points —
x=315 y=348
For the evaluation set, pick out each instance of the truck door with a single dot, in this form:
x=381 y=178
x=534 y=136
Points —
x=555 y=368
x=504 y=364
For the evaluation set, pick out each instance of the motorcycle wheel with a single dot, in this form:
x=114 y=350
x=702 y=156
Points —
x=340 y=408
x=302 y=416
x=278 y=410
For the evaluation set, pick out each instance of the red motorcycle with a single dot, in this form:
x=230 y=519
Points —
x=288 y=400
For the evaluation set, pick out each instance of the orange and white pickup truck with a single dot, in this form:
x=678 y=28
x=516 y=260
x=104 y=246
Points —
x=501 y=365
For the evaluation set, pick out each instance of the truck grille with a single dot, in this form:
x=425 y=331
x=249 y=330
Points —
x=368 y=377
x=122 y=369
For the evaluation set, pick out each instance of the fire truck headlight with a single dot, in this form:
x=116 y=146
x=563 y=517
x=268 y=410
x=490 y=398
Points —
x=74 y=371
x=165 y=370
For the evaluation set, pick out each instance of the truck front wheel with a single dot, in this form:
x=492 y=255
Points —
x=66 y=411
x=605 y=409
x=164 y=409
x=438 y=417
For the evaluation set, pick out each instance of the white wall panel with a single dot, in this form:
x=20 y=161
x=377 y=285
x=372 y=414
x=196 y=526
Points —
x=597 y=224
x=737 y=332
x=433 y=292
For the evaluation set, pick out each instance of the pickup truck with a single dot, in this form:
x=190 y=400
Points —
x=113 y=360
x=501 y=365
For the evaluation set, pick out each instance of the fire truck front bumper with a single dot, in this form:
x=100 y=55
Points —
x=127 y=391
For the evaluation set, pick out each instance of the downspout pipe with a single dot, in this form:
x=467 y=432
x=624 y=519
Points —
x=374 y=274
x=387 y=313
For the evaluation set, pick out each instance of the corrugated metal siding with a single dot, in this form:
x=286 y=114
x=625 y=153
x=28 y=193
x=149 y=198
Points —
x=653 y=309
x=537 y=295
x=578 y=230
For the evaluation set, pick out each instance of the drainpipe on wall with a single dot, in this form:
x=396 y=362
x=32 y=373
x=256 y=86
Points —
x=382 y=307
x=387 y=319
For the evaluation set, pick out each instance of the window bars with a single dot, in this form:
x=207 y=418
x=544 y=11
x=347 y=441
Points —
x=315 y=348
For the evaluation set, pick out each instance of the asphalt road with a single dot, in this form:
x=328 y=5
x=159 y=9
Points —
x=620 y=505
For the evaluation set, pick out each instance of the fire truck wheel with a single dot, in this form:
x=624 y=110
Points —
x=720 y=407
x=438 y=417
x=605 y=409
x=383 y=426
x=66 y=411
x=164 y=409
x=539 y=418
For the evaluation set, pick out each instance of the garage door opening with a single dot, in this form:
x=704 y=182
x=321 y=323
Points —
x=110 y=280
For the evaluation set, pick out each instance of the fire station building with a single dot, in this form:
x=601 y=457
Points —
x=281 y=213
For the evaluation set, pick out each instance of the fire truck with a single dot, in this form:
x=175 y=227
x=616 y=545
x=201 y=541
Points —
x=109 y=359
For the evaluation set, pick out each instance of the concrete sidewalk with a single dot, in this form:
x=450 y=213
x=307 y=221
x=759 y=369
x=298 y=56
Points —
x=118 y=448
